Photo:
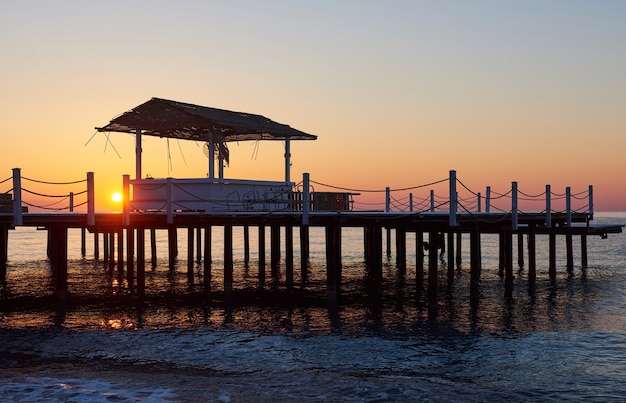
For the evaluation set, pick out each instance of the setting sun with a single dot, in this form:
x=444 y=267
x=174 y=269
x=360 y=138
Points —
x=116 y=197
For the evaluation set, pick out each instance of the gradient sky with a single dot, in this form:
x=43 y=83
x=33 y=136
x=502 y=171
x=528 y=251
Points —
x=398 y=92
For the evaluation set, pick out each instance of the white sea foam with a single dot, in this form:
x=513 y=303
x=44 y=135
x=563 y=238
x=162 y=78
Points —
x=47 y=389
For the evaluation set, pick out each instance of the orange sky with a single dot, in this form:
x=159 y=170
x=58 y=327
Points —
x=398 y=93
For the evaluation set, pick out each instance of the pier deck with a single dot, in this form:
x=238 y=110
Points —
x=434 y=225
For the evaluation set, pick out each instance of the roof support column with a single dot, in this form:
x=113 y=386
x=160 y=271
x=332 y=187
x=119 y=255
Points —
x=211 y=156
x=138 y=154
x=287 y=160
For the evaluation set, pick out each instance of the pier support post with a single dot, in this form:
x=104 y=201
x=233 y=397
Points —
x=450 y=259
x=246 y=245
x=208 y=255
x=583 y=251
x=459 y=244
x=172 y=243
x=501 y=253
x=374 y=259
x=141 y=261
x=388 y=241
x=228 y=259
x=83 y=242
x=59 y=263
x=4 y=241
x=532 y=258
x=552 y=255
x=401 y=250
x=520 y=249
x=304 y=253
x=570 y=252
x=190 y=248
x=333 y=262
x=96 y=246
x=153 y=247
x=289 y=257
x=198 y=244
x=275 y=249
x=261 y=240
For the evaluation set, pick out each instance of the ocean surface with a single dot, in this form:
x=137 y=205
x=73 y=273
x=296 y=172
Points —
x=564 y=340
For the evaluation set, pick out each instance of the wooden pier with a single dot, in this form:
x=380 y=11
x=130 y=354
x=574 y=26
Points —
x=125 y=239
x=200 y=204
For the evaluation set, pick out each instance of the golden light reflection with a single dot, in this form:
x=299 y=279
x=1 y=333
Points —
x=117 y=324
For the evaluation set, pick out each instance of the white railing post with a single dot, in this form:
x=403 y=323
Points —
x=548 y=207
x=168 y=202
x=591 y=200
x=453 y=199
x=488 y=200
x=387 y=199
x=514 y=209
x=432 y=200
x=126 y=199
x=478 y=207
x=411 y=202
x=568 y=205
x=17 y=196
x=306 y=198
x=91 y=200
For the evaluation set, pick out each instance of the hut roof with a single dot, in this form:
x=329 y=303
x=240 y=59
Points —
x=171 y=119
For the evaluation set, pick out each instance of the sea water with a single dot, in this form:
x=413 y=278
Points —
x=561 y=340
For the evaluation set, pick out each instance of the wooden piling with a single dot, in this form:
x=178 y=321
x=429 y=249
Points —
x=83 y=242
x=520 y=249
x=289 y=257
x=246 y=245
x=333 y=262
x=198 y=244
x=172 y=243
x=4 y=241
x=207 y=258
x=450 y=259
x=141 y=261
x=96 y=245
x=59 y=263
x=228 y=259
x=552 y=254
x=459 y=244
x=401 y=250
x=274 y=249
x=190 y=249
x=304 y=253
x=261 y=241
x=532 y=258
x=569 y=252
x=153 y=247
x=583 y=251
